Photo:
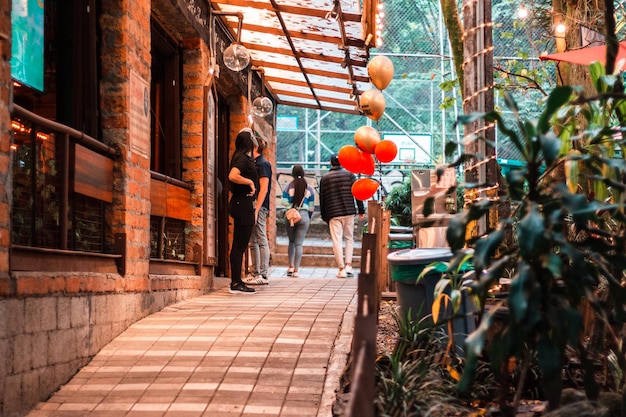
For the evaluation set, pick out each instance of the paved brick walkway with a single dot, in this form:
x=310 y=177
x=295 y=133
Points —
x=279 y=352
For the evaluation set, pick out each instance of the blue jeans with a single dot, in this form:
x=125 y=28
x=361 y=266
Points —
x=259 y=246
x=296 y=235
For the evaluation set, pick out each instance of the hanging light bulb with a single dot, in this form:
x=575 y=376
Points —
x=236 y=57
x=560 y=29
x=522 y=12
x=262 y=106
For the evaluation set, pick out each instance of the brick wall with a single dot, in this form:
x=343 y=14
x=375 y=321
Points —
x=195 y=64
x=53 y=324
x=126 y=48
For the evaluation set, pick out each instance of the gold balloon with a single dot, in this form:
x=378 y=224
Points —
x=380 y=69
x=373 y=104
x=366 y=138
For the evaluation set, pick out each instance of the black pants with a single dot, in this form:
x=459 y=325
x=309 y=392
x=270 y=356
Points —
x=241 y=209
x=241 y=238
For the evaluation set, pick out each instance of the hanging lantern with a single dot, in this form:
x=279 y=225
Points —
x=366 y=138
x=262 y=106
x=386 y=151
x=368 y=164
x=380 y=69
x=373 y=104
x=236 y=57
x=350 y=158
x=364 y=188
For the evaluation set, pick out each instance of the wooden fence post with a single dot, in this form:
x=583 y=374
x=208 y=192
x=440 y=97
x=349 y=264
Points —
x=378 y=223
x=364 y=340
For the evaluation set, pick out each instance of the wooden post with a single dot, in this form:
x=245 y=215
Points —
x=364 y=340
x=478 y=97
x=378 y=223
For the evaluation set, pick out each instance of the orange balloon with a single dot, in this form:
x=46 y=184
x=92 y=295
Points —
x=366 y=138
x=350 y=158
x=386 y=151
x=364 y=188
x=373 y=104
x=368 y=164
x=380 y=69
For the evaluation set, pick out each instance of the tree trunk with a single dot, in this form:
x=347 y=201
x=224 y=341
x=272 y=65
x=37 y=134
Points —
x=453 y=23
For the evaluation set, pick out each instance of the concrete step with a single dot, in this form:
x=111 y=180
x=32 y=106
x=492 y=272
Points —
x=315 y=252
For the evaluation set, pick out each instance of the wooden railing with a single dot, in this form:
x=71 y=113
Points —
x=52 y=162
x=62 y=182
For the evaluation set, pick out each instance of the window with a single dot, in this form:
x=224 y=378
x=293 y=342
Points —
x=165 y=104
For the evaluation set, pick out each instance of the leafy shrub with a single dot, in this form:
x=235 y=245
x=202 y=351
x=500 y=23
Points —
x=569 y=243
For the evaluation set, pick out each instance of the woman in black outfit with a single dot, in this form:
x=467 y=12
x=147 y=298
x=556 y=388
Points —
x=243 y=185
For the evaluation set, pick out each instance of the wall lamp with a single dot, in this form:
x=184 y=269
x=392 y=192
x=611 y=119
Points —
x=262 y=106
x=236 y=56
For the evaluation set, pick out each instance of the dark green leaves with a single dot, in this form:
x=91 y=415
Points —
x=530 y=233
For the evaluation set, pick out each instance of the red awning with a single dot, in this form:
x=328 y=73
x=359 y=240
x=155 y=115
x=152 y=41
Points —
x=585 y=56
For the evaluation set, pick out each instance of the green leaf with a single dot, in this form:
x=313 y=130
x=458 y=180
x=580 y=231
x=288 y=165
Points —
x=557 y=98
x=486 y=248
x=548 y=357
x=554 y=265
x=429 y=206
x=597 y=71
x=451 y=148
x=530 y=233
x=474 y=345
x=518 y=303
x=551 y=146
x=455 y=234
x=516 y=178
x=456 y=296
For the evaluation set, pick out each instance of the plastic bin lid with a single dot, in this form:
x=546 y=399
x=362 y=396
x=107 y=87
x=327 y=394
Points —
x=418 y=256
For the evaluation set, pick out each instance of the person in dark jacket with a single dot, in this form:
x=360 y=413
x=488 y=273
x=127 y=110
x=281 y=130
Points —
x=259 y=246
x=338 y=208
x=243 y=179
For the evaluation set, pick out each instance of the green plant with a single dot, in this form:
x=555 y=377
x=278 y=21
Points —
x=568 y=244
x=415 y=378
x=451 y=292
x=398 y=202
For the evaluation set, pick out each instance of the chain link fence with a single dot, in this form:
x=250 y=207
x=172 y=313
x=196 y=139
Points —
x=422 y=101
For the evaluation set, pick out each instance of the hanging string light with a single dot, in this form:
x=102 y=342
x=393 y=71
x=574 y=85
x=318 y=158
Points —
x=380 y=17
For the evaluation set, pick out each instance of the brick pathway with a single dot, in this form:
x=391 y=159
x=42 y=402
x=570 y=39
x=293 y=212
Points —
x=279 y=352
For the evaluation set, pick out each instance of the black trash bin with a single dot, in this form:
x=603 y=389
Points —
x=417 y=296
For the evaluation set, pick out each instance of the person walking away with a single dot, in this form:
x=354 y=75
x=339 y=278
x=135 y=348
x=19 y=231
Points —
x=298 y=194
x=259 y=246
x=338 y=208
x=243 y=185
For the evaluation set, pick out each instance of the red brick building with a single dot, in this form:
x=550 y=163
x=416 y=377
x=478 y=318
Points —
x=109 y=165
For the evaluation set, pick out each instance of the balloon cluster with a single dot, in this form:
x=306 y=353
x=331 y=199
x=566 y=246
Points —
x=359 y=159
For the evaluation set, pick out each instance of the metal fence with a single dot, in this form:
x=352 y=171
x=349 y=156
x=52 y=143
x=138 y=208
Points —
x=415 y=39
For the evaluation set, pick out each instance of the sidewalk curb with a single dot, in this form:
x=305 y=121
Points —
x=338 y=360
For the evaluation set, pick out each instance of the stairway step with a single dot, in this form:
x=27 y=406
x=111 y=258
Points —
x=315 y=252
x=326 y=261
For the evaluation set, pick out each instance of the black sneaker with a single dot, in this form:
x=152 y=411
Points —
x=240 y=287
